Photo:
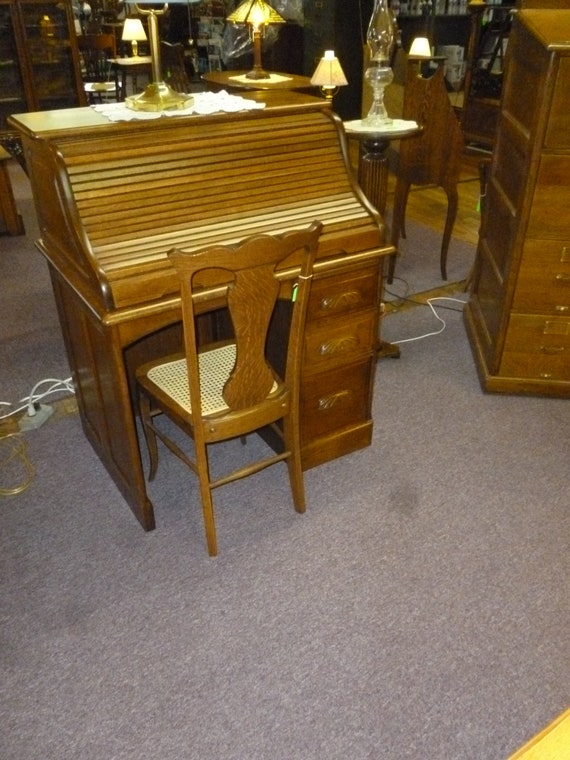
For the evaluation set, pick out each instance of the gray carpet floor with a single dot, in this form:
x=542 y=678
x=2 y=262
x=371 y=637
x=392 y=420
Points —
x=419 y=610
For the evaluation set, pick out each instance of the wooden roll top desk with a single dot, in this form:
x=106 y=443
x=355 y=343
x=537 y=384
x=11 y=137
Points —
x=113 y=198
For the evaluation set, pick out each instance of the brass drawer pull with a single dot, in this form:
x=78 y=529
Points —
x=552 y=350
x=328 y=402
x=341 y=300
x=546 y=375
x=556 y=328
x=561 y=308
x=562 y=277
x=339 y=346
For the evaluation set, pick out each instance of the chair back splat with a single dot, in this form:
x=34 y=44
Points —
x=174 y=66
x=231 y=387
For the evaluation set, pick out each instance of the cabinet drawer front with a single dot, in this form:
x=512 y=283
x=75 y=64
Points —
x=340 y=294
x=543 y=285
x=329 y=343
x=336 y=399
x=549 y=216
x=537 y=347
x=536 y=367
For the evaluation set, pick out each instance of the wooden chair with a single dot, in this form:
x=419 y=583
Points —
x=433 y=158
x=99 y=81
x=227 y=389
x=173 y=66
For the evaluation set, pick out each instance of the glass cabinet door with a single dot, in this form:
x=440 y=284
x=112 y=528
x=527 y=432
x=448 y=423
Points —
x=12 y=99
x=47 y=29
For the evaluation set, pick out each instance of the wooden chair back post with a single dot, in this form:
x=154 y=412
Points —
x=174 y=66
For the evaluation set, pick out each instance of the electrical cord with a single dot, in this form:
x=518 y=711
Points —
x=396 y=295
x=406 y=298
x=429 y=303
x=32 y=402
x=13 y=446
x=416 y=303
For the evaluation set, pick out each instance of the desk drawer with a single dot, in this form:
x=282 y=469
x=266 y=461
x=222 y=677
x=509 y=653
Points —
x=337 y=295
x=336 y=399
x=329 y=343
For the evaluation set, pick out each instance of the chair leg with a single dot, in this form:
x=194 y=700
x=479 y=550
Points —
x=149 y=434
x=294 y=464
x=452 y=200
x=206 y=497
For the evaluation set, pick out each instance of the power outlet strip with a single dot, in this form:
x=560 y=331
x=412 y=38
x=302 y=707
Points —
x=35 y=421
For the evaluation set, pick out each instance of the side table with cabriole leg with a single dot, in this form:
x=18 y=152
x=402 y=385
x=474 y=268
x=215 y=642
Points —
x=373 y=173
x=373 y=163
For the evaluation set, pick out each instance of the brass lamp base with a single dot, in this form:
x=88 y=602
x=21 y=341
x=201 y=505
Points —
x=257 y=73
x=158 y=96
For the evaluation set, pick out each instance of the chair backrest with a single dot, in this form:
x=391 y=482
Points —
x=173 y=66
x=252 y=292
x=95 y=51
x=435 y=156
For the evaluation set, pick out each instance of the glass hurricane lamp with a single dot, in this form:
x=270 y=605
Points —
x=380 y=39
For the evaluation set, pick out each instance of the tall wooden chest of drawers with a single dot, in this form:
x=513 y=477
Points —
x=518 y=315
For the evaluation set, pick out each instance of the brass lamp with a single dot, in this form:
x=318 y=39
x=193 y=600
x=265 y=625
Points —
x=158 y=96
x=133 y=32
x=329 y=75
x=258 y=14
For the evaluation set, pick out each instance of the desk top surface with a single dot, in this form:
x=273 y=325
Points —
x=82 y=121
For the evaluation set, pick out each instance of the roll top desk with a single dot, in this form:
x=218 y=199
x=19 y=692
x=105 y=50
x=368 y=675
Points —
x=112 y=198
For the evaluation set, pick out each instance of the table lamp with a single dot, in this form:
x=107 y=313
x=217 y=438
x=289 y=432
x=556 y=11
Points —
x=133 y=32
x=157 y=96
x=329 y=75
x=420 y=48
x=258 y=14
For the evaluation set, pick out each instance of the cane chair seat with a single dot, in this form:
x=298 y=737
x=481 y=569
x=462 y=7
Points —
x=97 y=91
x=216 y=367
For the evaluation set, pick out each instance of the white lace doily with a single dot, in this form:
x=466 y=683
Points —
x=204 y=103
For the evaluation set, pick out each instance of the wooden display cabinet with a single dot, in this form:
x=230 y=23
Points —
x=39 y=60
